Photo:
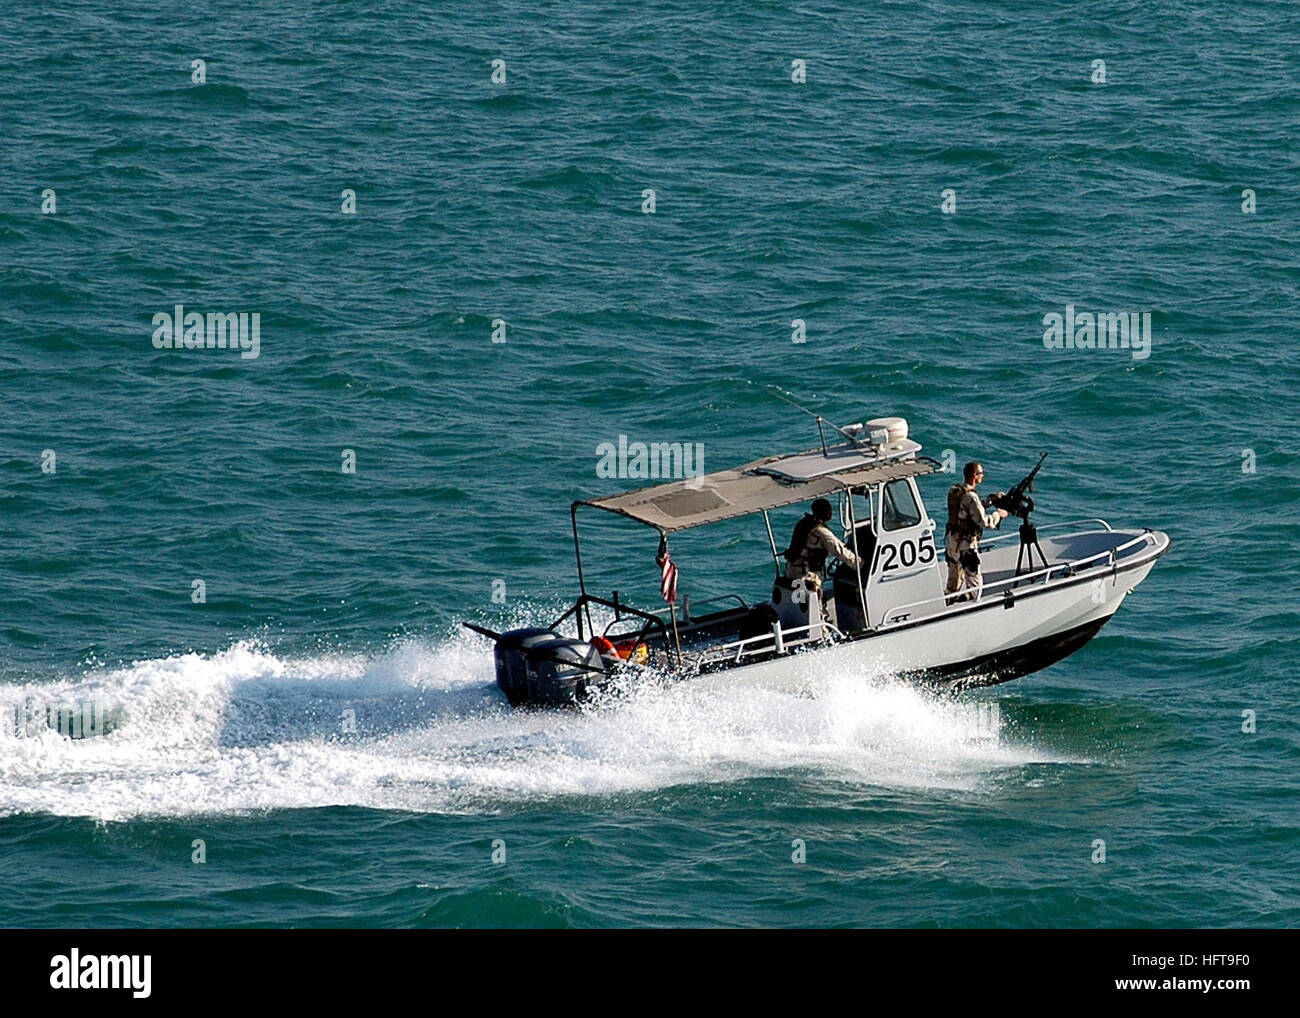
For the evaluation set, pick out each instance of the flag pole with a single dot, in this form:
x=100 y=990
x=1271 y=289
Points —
x=668 y=585
x=672 y=610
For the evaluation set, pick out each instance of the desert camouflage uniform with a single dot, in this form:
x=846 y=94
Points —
x=810 y=562
x=966 y=522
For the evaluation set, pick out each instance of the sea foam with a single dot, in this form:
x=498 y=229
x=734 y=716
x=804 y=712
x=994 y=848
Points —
x=421 y=727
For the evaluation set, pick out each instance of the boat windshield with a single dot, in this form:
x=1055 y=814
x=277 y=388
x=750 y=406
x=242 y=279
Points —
x=898 y=506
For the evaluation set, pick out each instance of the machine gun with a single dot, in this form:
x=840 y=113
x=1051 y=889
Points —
x=1017 y=502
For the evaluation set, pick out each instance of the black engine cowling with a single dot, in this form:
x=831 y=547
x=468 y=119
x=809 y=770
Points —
x=539 y=667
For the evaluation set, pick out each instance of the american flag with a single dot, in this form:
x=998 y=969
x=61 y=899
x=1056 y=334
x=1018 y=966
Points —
x=667 y=572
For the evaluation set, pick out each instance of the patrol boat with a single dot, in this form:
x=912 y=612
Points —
x=1043 y=597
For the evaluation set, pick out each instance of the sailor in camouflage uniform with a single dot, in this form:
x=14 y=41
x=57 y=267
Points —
x=812 y=543
x=966 y=522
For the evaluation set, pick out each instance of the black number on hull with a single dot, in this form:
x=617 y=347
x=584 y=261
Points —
x=907 y=553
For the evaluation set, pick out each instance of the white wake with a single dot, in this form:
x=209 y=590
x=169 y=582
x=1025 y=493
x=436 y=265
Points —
x=423 y=728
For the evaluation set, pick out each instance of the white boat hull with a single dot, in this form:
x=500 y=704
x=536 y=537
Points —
x=1024 y=619
x=993 y=640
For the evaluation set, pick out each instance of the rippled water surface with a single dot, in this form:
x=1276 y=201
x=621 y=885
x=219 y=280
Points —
x=328 y=591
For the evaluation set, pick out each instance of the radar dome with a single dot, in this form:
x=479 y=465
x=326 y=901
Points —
x=893 y=429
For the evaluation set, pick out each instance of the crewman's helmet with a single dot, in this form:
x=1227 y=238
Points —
x=822 y=509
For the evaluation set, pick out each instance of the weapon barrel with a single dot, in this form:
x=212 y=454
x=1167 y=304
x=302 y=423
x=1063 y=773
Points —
x=1028 y=479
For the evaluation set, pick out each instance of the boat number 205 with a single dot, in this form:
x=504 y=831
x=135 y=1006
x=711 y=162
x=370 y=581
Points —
x=907 y=553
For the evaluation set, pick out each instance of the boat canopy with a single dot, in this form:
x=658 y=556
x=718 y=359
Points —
x=768 y=483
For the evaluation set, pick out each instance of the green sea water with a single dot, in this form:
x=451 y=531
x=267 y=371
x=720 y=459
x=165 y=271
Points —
x=128 y=473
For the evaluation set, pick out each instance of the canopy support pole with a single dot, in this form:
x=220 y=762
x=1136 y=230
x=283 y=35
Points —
x=776 y=560
x=582 y=587
x=857 y=550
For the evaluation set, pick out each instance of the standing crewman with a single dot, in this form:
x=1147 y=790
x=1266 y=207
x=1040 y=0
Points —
x=811 y=544
x=961 y=538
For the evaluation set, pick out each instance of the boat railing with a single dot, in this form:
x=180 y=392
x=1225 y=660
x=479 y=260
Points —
x=1009 y=534
x=780 y=640
x=689 y=604
x=622 y=609
x=1108 y=557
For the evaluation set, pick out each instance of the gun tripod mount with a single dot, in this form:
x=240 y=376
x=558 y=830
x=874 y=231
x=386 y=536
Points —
x=1017 y=502
x=1028 y=545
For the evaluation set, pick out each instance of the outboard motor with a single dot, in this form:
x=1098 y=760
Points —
x=539 y=667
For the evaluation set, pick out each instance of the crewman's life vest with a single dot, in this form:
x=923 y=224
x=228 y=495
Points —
x=813 y=558
x=963 y=526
